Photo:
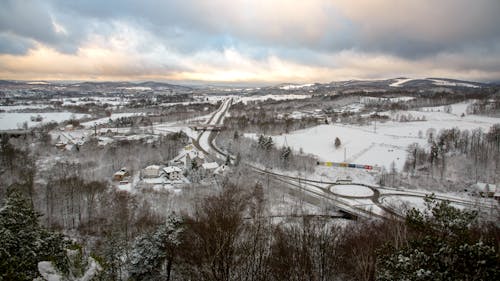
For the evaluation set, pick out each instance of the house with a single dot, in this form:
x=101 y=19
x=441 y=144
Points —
x=209 y=168
x=186 y=158
x=485 y=189
x=194 y=157
x=121 y=175
x=152 y=171
x=173 y=172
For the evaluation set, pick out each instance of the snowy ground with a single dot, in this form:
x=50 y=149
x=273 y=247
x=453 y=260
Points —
x=15 y=120
x=383 y=145
x=400 y=82
x=30 y=107
x=439 y=82
x=113 y=116
x=245 y=99
x=351 y=190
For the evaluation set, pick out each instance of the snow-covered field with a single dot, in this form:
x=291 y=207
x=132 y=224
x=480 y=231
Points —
x=97 y=100
x=34 y=107
x=114 y=116
x=295 y=87
x=400 y=82
x=352 y=190
x=383 y=99
x=245 y=99
x=14 y=120
x=383 y=146
x=456 y=109
x=439 y=82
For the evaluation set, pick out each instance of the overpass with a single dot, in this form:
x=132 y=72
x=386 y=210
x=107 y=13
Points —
x=208 y=127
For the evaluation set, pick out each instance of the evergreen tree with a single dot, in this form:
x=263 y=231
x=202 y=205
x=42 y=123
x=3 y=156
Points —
x=337 y=142
x=153 y=253
x=286 y=152
x=24 y=243
x=269 y=143
x=443 y=247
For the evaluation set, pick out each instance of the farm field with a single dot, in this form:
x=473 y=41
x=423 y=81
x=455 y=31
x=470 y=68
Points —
x=383 y=145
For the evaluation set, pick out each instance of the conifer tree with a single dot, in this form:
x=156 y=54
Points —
x=24 y=243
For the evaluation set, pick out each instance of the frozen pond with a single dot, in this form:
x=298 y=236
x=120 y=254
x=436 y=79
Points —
x=14 y=120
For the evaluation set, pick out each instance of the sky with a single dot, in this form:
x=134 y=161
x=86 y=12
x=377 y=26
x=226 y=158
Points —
x=249 y=41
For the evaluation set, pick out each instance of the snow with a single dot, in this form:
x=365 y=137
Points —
x=245 y=99
x=113 y=116
x=294 y=87
x=125 y=187
x=383 y=99
x=210 y=165
x=438 y=82
x=406 y=202
x=352 y=190
x=204 y=137
x=97 y=100
x=23 y=107
x=400 y=82
x=48 y=271
x=388 y=144
x=456 y=109
x=14 y=120
x=91 y=271
x=137 y=88
x=171 y=169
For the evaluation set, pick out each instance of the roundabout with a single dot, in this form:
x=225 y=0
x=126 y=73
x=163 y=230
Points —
x=353 y=191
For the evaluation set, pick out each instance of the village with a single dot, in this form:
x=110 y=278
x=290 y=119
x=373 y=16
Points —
x=190 y=166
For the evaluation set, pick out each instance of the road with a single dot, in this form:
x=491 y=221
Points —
x=362 y=206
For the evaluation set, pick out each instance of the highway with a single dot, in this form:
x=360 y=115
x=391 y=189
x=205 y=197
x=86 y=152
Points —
x=358 y=206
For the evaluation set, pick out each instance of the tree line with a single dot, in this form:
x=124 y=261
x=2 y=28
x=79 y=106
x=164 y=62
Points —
x=230 y=236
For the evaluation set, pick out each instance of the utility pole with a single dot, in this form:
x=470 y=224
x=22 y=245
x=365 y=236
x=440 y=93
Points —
x=345 y=153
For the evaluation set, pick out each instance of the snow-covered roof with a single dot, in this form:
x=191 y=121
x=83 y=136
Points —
x=152 y=167
x=171 y=169
x=210 y=165
x=195 y=153
x=120 y=173
x=486 y=187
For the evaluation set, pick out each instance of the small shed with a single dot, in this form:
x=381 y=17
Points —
x=173 y=172
x=152 y=171
x=485 y=189
x=121 y=175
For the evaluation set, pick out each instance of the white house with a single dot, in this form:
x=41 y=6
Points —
x=173 y=172
x=209 y=168
x=186 y=158
x=152 y=171
x=485 y=189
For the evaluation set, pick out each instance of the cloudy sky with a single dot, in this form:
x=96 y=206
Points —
x=249 y=41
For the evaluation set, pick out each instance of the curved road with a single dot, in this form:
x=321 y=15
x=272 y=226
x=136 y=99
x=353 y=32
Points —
x=319 y=189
